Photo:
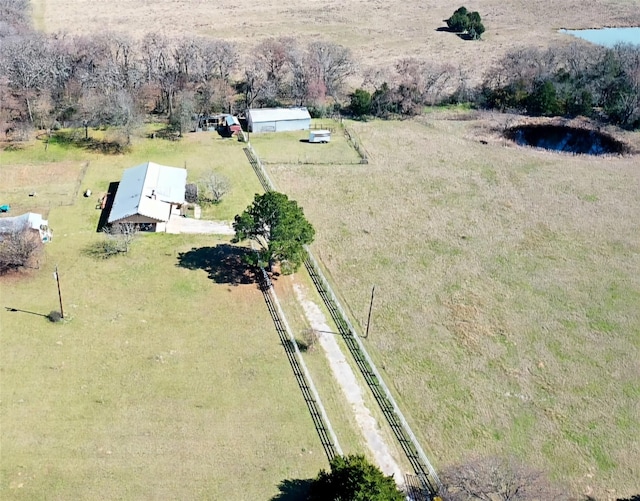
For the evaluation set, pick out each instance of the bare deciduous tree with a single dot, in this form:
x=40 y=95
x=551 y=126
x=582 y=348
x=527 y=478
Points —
x=255 y=86
x=497 y=479
x=310 y=338
x=331 y=64
x=214 y=96
x=27 y=64
x=119 y=238
x=212 y=187
x=219 y=59
x=19 y=248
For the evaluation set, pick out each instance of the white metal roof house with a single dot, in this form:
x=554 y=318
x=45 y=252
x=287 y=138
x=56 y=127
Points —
x=31 y=221
x=147 y=195
x=278 y=119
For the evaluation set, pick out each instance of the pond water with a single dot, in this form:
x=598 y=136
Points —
x=608 y=37
x=567 y=139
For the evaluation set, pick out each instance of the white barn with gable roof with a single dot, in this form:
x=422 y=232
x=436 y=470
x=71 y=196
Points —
x=278 y=119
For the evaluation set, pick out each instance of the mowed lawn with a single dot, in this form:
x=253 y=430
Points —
x=294 y=147
x=507 y=279
x=161 y=383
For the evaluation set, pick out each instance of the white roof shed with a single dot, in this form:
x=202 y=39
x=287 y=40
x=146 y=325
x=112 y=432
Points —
x=30 y=220
x=278 y=119
x=148 y=190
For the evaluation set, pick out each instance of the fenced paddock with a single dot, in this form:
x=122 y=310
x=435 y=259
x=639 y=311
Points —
x=293 y=148
x=39 y=187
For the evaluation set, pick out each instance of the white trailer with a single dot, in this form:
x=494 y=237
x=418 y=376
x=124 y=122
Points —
x=319 y=136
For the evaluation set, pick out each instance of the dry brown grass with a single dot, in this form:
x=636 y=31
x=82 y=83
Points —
x=378 y=32
x=50 y=185
x=507 y=291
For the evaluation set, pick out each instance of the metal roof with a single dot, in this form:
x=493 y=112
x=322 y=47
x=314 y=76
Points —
x=258 y=115
x=17 y=223
x=148 y=189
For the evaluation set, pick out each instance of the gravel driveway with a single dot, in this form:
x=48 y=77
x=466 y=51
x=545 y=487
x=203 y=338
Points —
x=179 y=224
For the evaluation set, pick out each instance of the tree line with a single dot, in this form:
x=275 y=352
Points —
x=573 y=80
x=111 y=79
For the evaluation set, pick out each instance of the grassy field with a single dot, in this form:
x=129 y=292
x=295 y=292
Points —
x=507 y=282
x=165 y=381
x=299 y=151
x=378 y=32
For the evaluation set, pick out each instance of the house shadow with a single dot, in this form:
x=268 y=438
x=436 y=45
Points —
x=293 y=490
x=106 y=210
x=225 y=264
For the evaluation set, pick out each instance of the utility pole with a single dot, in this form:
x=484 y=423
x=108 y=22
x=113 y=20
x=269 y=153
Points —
x=373 y=290
x=59 y=293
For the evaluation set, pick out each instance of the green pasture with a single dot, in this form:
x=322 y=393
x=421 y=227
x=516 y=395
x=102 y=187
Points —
x=507 y=279
x=198 y=153
x=166 y=379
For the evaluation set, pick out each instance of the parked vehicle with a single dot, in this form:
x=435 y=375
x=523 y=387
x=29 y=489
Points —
x=319 y=136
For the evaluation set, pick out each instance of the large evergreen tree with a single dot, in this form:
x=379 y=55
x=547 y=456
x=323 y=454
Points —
x=353 y=478
x=463 y=21
x=278 y=226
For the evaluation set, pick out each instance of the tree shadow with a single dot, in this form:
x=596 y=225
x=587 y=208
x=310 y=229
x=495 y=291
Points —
x=72 y=138
x=225 y=264
x=293 y=490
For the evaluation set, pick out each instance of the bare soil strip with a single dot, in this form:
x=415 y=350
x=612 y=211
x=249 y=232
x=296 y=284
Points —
x=350 y=387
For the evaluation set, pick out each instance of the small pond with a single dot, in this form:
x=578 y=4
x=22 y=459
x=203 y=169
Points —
x=608 y=37
x=566 y=139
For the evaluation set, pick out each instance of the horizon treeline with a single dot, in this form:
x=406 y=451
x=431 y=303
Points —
x=112 y=80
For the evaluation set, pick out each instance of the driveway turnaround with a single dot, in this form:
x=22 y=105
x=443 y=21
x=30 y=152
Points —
x=178 y=225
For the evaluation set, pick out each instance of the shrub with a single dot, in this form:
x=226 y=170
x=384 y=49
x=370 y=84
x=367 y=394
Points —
x=360 y=103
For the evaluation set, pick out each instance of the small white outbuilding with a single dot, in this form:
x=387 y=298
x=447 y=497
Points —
x=29 y=221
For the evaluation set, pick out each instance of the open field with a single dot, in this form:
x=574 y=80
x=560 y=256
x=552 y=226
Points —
x=165 y=381
x=507 y=282
x=377 y=32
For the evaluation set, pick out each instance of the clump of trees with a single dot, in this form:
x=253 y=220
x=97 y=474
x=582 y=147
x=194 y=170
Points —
x=354 y=478
x=112 y=81
x=279 y=227
x=405 y=89
x=19 y=248
x=469 y=23
x=567 y=81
